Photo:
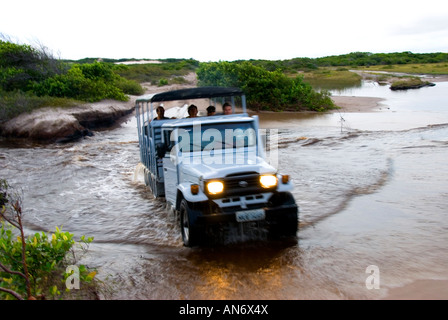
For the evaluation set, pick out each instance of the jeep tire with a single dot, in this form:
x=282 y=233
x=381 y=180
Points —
x=190 y=232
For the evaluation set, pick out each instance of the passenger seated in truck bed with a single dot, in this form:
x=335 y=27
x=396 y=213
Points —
x=211 y=111
x=160 y=113
x=192 y=111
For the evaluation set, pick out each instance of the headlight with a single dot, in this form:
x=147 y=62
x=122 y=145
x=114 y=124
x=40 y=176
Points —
x=215 y=187
x=268 y=181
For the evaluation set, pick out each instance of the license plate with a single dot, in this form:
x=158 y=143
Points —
x=250 y=215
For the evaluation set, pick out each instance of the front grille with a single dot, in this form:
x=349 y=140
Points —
x=236 y=185
x=242 y=182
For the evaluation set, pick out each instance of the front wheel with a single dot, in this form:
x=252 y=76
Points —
x=190 y=233
x=286 y=226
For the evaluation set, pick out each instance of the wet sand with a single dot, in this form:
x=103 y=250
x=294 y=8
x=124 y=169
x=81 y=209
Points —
x=358 y=104
x=420 y=290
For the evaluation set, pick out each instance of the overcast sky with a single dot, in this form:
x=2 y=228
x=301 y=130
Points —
x=208 y=30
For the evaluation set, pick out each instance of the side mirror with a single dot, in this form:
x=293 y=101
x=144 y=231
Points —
x=161 y=150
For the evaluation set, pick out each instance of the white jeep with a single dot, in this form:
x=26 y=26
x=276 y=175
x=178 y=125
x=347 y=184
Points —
x=212 y=169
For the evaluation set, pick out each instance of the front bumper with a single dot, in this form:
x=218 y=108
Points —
x=276 y=214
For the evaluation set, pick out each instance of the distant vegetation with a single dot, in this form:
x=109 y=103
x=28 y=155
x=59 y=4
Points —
x=354 y=59
x=332 y=72
x=331 y=78
x=413 y=68
x=169 y=71
x=31 y=77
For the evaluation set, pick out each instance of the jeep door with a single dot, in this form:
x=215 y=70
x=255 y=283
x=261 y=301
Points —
x=170 y=166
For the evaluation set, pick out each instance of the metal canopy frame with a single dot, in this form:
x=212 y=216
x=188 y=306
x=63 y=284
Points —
x=192 y=93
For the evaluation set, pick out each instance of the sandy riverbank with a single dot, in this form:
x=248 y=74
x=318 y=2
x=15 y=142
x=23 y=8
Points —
x=358 y=104
x=66 y=124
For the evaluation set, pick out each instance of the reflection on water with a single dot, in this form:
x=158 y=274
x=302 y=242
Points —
x=366 y=197
x=400 y=110
x=426 y=99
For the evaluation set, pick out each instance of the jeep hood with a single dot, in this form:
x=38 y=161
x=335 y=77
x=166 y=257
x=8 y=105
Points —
x=214 y=171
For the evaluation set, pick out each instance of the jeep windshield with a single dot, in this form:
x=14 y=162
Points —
x=216 y=136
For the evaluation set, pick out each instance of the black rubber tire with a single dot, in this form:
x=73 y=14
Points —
x=285 y=227
x=190 y=233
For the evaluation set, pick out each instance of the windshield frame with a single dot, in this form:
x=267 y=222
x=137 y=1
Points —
x=215 y=136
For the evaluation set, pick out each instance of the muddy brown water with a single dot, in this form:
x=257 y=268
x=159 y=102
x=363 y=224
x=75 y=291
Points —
x=372 y=191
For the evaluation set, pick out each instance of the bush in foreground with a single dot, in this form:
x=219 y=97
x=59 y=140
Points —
x=35 y=267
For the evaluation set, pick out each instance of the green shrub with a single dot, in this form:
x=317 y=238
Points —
x=265 y=90
x=130 y=87
x=46 y=258
x=87 y=82
x=22 y=65
x=33 y=267
x=163 y=82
